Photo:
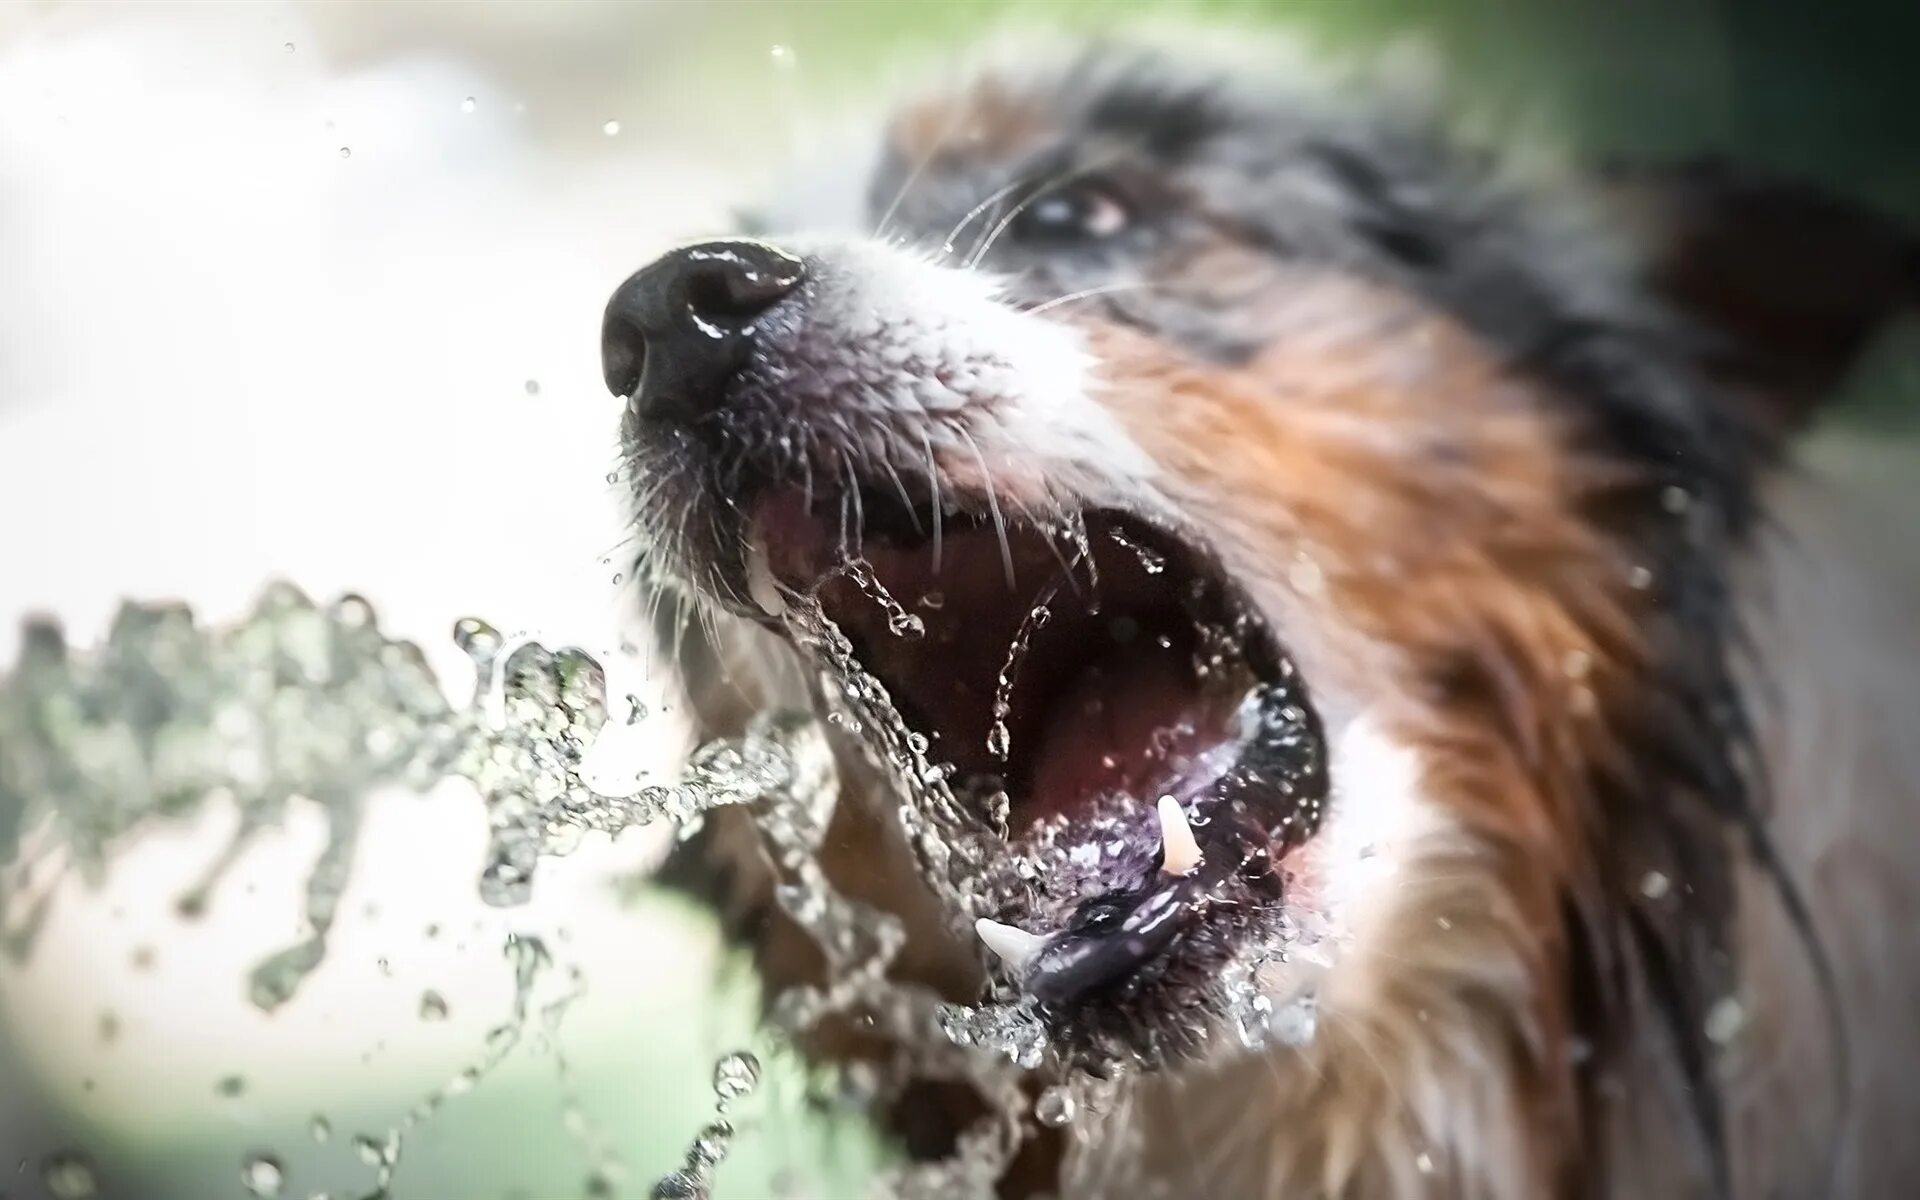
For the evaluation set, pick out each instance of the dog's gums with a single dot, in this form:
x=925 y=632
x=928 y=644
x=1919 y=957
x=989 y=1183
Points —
x=1099 y=699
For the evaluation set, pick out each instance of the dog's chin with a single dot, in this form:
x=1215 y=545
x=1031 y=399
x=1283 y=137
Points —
x=1114 y=747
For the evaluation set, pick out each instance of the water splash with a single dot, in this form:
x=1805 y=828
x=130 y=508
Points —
x=999 y=739
x=735 y=1077
x=299 y=701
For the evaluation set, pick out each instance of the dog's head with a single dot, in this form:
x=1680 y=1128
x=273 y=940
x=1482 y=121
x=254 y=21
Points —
x=1251 y=539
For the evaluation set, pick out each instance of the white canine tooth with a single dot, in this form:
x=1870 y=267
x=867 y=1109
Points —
x=760 y=583
x=1183 y=853
x=1015 y=946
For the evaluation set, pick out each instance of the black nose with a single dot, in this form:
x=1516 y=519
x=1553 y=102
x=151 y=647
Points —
x=680 y=327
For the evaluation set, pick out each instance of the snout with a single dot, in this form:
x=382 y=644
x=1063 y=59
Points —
x=678 y=329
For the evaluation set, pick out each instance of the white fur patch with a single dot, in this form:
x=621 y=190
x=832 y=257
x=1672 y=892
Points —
x=935 y=355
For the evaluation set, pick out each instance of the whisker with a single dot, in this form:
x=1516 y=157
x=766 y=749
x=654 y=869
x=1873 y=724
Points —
x=1045 y=189
x=859 y=505
x=913 y=176
x=1105 y=289
x=993 y=198
x=900 y=486
x=993 y=505
x=933 y=485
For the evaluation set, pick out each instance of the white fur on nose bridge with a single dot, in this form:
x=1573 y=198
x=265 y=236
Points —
x=935 y=350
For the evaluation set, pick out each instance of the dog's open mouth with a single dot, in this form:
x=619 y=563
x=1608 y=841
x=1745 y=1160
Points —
x=1102 y=699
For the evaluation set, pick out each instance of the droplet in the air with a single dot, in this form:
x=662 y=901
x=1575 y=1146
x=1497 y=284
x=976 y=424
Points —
x=231 y=1086
x=262 y=1175
x=346 y=152
x=680 y=1185
x=611 y=128
x=1055 y=1107
x=469 y=104
x=1654 y=885
x=711 y=1146
x=735 y=1075
x=533 y=387
x=69 y=1176
x=433 y=1006
x=320 y=1128
x=906 y=625
x=1725 y=1020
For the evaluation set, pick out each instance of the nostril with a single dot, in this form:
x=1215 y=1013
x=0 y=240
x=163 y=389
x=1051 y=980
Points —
x=731 y=284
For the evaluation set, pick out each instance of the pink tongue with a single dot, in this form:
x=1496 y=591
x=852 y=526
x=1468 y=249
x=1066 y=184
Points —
x=1134 y=722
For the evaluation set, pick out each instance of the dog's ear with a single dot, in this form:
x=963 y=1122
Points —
x=1788 y=282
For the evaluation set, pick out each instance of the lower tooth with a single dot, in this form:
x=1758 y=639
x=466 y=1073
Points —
x=760 y=581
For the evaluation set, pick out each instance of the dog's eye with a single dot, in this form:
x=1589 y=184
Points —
x=1074 y=212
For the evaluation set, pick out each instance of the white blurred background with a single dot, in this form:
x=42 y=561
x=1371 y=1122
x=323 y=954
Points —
x=312 y=291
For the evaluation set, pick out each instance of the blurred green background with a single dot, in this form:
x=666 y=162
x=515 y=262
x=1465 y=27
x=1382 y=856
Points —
x=1826 y=91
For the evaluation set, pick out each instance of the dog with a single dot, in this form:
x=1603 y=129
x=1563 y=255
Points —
x=1243 y=529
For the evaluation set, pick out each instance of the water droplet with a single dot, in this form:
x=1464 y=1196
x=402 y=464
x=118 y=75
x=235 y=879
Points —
x=1639 y=579
x=109 y=1028
x=636 y=709
x=1055 y=1107
x=469 y=104
x=619 y=577
x=346 y=152
x=735 y=1075
x=262 y=1175
x=433 y=1006
x=999 y=740
x=1423 y=1163
x=906 y=625
x=1305 y=575
x=533 y=387
x=69 y=1175
x=1576 y=664
x=288 y=47
x=1675 y=499
x=1725 y=1020
x=680 y=1185
x=320 y=1128
x=231 y=1086
x=711 y=1145
x=611 y=129
x=1654 y=885
x=781 y=55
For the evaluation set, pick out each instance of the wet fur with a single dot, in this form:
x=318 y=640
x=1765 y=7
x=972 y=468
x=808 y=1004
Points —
x=1561 y=558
